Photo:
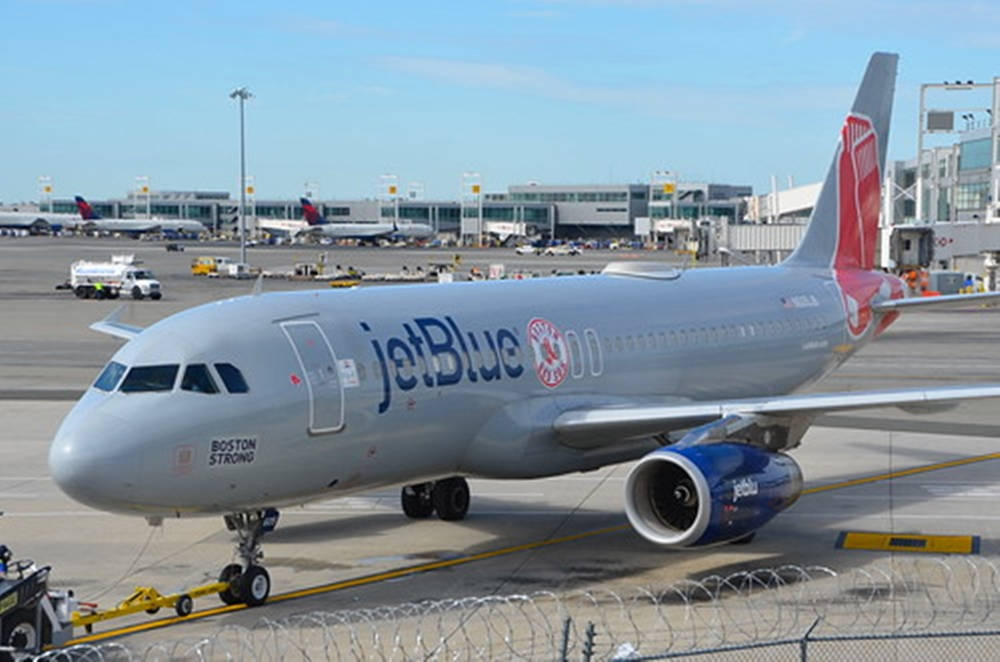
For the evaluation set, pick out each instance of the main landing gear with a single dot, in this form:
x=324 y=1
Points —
x=248 y=581
x=449 y=498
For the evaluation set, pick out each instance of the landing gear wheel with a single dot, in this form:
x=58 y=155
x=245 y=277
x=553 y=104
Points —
x=19 y=632
x=417 y=500
x=184 y=605
x=451 y=498
x=231 y=575
x=255 y=586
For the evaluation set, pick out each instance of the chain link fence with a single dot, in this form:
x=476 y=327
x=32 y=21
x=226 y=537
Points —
x=910 y=609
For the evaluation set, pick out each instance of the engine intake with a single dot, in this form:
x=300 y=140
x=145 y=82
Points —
x=708 y=494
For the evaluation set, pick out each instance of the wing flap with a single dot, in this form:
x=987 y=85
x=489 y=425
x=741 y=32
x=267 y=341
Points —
x=592 y=428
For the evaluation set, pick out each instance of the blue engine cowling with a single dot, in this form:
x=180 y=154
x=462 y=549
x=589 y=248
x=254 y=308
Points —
x=707 y=494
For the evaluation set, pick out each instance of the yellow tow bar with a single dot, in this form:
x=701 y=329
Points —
x=149 y=600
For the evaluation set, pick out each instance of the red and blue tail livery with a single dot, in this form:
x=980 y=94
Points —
x=311 y=214
x=86 y=211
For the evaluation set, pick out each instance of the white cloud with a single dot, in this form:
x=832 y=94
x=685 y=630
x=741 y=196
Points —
x=678 y=102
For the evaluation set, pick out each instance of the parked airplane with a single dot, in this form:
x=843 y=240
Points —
x=319 y=225
x=325 y=393
x=36 y=222
x=91 y=220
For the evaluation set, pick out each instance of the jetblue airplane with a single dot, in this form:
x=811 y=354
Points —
x=327 y=393
x=317 y=224
x=91 y=220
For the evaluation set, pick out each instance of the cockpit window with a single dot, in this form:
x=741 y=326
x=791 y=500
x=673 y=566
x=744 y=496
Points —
x=110 y=376
x=197 y=379
x=232 y=377
x=150 y=378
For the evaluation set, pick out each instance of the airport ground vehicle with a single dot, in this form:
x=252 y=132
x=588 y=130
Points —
x=561 y=249
x=108 y=280
x=203 y=265
x=31 y=616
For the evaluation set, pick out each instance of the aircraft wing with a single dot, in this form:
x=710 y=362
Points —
x=113 y=327
x=592 y=428
x=944 y=301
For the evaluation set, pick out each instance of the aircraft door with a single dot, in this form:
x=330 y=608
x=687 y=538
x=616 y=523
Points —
x=319 y=371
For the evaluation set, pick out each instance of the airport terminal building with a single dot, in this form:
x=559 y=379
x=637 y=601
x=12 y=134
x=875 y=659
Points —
x=564 y=212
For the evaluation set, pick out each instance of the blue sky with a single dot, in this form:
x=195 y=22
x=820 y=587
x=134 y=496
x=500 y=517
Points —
x=97 y=92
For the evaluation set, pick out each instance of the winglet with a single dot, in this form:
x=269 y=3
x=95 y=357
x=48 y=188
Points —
x=111 y=326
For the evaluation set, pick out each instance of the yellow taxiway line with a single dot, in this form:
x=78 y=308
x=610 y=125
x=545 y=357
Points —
x=503 y=551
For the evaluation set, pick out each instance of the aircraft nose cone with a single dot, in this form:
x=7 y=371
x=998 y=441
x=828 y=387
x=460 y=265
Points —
x=90 y=464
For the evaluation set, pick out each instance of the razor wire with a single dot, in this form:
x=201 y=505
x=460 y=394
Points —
x=893 y=597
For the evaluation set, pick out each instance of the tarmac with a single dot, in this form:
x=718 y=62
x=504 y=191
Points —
x=555 y=534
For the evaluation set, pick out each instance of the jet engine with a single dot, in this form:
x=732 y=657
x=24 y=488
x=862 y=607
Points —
x=708 y=494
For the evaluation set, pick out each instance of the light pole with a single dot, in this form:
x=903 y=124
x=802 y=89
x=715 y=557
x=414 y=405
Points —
x=45 y=191
x=242 y=93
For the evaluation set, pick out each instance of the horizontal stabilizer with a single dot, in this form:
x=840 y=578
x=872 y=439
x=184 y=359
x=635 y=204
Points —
x=944 y=301
x=591 y=428
x=111 y=326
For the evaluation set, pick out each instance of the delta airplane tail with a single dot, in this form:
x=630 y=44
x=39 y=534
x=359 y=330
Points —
x=843 y=229
x=311 y=214
x=86 y=211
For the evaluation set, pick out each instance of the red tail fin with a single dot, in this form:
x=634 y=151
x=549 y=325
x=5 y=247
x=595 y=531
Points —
x=86 y=211
x=859 y=194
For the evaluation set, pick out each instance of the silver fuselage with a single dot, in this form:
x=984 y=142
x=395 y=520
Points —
x=405 y=400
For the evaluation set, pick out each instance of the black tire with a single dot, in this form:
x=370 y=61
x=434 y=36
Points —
x=19 y=632
x=255 y=586
x=417 y=500
x=231 y=574
x=184 y=605
x=136 y=293
x=80 y=292
x=155 y=296
x=451 y=498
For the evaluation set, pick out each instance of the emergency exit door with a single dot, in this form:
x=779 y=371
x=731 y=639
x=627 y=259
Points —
x=318 y=364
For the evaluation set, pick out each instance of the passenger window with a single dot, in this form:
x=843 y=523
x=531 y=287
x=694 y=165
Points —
x=575 y=353
x=110 y=376
x=197 y=379
x=594 y=348
x=150 y=378
x=232 y=377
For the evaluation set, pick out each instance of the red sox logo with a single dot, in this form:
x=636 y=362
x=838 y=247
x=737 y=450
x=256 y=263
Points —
x=549 y=352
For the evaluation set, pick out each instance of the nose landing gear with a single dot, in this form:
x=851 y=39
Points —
x=248 y=581
x=449 y=498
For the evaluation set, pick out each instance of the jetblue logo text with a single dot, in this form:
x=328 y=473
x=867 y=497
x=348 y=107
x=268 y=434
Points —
x=438 y=353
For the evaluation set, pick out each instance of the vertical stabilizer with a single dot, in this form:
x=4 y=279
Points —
x=843 y=229
x=86 y=211
x=312 y=215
